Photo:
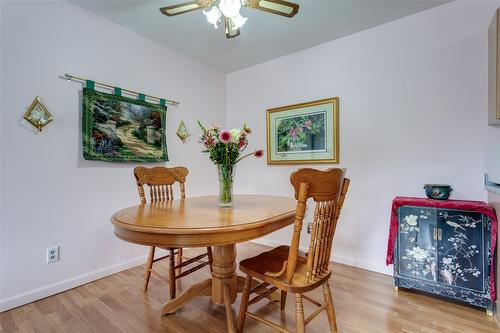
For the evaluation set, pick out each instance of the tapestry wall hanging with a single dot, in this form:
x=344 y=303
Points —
x=121 y=129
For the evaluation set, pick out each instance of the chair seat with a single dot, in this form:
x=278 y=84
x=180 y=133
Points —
x=272 y=262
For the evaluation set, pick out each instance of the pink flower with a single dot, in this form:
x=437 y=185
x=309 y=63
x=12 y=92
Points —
x=225 y=136
x=293 y=134
x=242 y=143
x=209 y=142
x=258 y=153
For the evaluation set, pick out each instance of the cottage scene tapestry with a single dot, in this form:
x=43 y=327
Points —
x=122 y=129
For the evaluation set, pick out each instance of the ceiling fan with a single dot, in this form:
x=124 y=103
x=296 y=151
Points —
x=228 y=11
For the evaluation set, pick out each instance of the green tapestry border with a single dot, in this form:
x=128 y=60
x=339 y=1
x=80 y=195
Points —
x=89 y=96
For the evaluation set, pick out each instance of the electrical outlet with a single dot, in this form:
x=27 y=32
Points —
x=52 y=254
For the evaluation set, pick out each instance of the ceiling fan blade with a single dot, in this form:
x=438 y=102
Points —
x=279 y=7
x=185 y=7
x=228 y=28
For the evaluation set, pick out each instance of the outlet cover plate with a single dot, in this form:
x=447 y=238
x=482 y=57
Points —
x=52 y=254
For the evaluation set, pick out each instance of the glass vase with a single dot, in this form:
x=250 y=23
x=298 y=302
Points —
x=226 y=178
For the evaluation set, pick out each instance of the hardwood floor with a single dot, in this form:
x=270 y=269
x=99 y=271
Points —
x=364 y=302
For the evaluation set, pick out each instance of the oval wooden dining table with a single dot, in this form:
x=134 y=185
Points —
x=199 y=222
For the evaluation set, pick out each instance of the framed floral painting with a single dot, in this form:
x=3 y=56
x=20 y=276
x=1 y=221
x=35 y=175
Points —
x=304 y=133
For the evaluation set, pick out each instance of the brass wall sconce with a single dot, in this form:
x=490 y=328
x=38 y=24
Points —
x=37 y=114
x=182 y=132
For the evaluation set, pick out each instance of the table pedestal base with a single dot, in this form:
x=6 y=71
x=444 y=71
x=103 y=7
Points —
x=223 y=286
x=203 y=288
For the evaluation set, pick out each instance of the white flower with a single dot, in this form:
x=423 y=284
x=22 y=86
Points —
x=235 y=135
x=447 y=261
x=418 y=253
x=411 y=220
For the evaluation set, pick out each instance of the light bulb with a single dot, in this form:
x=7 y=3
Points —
x=230 y=8
x=213 y=16
x=238 y=21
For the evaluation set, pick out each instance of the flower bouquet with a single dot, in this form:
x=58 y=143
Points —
x=225 y=148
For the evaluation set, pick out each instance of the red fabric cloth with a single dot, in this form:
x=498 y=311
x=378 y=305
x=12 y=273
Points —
x=475 y=206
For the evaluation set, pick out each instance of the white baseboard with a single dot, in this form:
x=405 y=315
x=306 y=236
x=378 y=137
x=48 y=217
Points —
x=382 y=269
x=58 y=287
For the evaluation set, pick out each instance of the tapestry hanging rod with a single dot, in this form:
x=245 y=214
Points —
x=70 y=77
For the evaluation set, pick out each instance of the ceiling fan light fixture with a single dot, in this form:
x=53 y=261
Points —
x=213 y=16
x=227 y=12
x=276 y=7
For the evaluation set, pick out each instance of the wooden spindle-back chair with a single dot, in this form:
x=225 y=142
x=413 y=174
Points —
x=160 y=181
x=288 y=269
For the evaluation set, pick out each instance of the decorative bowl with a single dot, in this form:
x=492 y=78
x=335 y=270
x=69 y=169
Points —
x=437 y=191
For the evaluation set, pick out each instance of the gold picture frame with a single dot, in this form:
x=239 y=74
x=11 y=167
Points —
x=37 y=114
x=305 y=133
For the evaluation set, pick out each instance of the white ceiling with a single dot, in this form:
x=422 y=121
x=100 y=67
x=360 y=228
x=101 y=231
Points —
x=265 y=36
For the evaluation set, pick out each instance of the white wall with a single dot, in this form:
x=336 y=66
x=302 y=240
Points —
x=1 y=79
x=50 y=195
x=413 y=110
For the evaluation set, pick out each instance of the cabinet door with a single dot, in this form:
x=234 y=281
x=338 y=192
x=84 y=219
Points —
x=416 y=242
x=460 y=249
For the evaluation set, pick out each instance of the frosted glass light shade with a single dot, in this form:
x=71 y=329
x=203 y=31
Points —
x=213 y=16
x=230 y=8
x=238 y=21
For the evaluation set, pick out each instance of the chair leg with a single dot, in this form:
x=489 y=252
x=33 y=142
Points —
x=149 y=267
x=283 y=300
x=178 y=261
x=299 y=314
x=329 y=307
x=210 y=258
x=244 y=303
x=229 y=310
x=171 y=273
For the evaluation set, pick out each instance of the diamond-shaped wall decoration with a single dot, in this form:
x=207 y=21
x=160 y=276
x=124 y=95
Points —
x=182 y=132
x=37 y=114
